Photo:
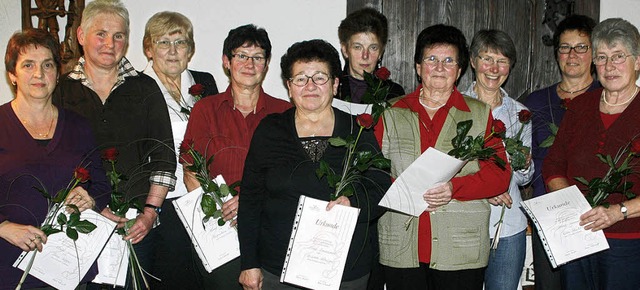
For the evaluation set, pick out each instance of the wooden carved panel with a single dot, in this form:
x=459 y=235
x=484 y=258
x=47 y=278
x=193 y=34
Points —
x=48 y=14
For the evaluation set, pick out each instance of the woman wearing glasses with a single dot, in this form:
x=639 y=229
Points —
x=493 y=54
x=603 y=121
x=222 y=125
x=573 y=52
x=284 y=156
x=168 y=44
x=420 y=253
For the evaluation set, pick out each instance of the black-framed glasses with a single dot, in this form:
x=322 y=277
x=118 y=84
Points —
x=487 y=60
x=566 y=49
x=448 y=62
x=617 y=58
x=318 y=78
x=243 y=58
x=178 y=43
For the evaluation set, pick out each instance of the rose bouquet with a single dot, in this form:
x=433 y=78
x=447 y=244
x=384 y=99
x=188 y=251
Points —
x=614 y=181
x=355 y=163
x=466 y=147
x=57 y=221
x=214 y=194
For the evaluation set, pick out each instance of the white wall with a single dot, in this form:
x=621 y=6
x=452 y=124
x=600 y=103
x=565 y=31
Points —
x=286 y=21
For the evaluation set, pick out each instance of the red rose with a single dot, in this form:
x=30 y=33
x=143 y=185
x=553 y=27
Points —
x=185 y=146
x=635 y=146
x=365 y=120
x=82 y=174
x=382 y=73
x=524 y=116
x=498 y=127
x=110 y=154
x=196 y=90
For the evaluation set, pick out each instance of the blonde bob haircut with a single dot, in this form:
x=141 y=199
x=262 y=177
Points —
x=168 y=22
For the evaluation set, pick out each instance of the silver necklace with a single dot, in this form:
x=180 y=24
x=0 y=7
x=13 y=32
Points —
x=604 y=98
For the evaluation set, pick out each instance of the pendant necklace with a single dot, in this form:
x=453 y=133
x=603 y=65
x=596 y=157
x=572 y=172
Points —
x=573 y=92
x=45 y=134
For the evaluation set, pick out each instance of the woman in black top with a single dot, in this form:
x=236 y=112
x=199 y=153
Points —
x=281 y=165
x=363 y=36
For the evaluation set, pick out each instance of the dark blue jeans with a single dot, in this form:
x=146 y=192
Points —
x=617 y=268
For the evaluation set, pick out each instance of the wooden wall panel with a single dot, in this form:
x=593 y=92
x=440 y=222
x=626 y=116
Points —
x=522 y=20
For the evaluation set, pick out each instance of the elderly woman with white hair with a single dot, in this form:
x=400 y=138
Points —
x=603 y=121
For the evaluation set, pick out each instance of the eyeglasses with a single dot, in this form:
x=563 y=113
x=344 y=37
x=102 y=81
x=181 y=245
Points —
x=318 y=78
x=487 y=60
x=617 y=58
x=447 y=62
x=566 y=49
x=244 y=58
x=178 y=44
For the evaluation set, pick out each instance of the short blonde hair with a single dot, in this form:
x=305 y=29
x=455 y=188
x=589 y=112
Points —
x=168 y=22
x=97 y=7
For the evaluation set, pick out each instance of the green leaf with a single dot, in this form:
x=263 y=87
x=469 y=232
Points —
x=72 y=234
x=221 y=222
x=337 y=141
x=60 y=196
x=49 y=230
x=74 y=218
x=85 y=227
x=224 y=189
x=208 y=204
x=217 y=214
x=62 y=219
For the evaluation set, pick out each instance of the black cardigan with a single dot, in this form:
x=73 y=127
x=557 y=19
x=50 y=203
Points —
x=277 y=171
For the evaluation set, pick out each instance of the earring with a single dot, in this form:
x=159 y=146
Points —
x=13 y=83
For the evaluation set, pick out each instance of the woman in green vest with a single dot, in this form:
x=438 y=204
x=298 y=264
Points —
x=447 y=246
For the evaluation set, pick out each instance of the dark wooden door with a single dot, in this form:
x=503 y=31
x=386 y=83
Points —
x=528 y=22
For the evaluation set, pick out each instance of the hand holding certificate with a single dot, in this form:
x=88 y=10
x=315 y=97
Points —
x=556 y=216
x=216 y=245
x=63 y=263
x=319 y=244
x=431 y=168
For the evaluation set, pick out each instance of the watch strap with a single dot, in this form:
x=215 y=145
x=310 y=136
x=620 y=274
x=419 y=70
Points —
x=624 y=210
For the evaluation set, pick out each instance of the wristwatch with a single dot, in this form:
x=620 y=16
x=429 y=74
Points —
x=623 y=210
x=158 y=209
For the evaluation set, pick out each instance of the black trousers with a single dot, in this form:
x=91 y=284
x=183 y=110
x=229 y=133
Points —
x=430 y=279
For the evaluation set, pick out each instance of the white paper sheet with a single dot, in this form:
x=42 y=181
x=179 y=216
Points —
x=57 y=264
x=178 y=128
x=215 y=245
x=556 y=216
x=113 y=262
x=431 y=168
x=351 y=108
x=319 y=244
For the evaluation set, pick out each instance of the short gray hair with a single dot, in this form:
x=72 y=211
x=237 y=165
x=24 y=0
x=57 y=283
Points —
x=494 y=41
x=97 y=7
x=616 y=31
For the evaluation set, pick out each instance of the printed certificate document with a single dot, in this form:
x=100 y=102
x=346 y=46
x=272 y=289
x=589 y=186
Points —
x=216 y=245
x=63 y=262
x=319 y=244
x=431 y=168
x=113 y=262
x=556 y=216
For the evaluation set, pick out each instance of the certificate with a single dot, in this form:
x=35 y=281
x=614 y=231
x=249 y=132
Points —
x=319 y=244
x=556 y=216
x=63 y=263
x=431 y=168
x=113 y=262
x=216 y=245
